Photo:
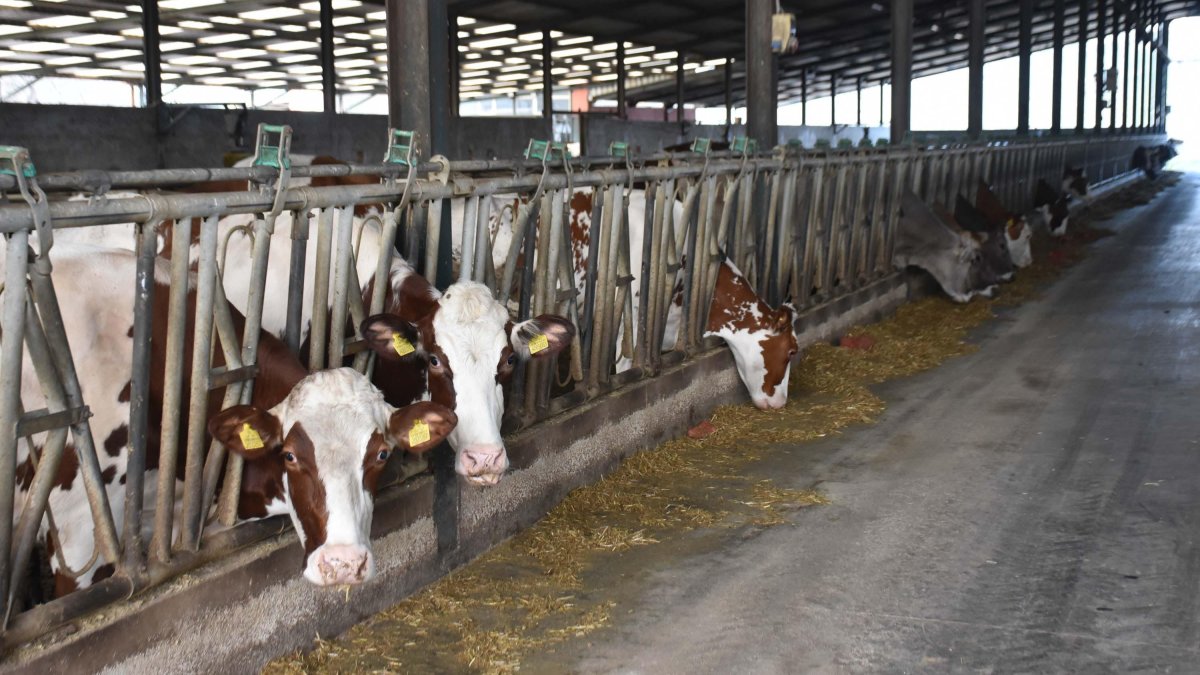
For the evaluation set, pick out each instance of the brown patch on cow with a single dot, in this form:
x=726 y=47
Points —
x=107 y=475
x=1014 y=229
x=777 y=353
x=581 y=235
x=987 y=203
x=305 y=488
x=413 y=300
x=117 y=441
x=126 y=392
x=103 y=572
x=732 y=299
x=372 y=465
x=64 y=584
x=64 y=476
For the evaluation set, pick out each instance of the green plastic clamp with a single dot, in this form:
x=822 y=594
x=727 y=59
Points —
x=618 y=149
x=744 y=145
x=822 y=143
x=400 y=148
x=547 y=151
x=845 y=143
x=702 y=145
x=14 y=154
x=273 y=155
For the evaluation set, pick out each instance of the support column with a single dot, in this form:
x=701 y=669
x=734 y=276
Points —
x=1163 y=69
x=1080 y=88
x=679 y=90
x=328 y=76
x=804 y=97
x=1056 y=86
x=977 y=25
x=408 y=68
x=548 y=83
x=902 y=25
x=1125 y=97
x=833 y=83
x=1146 y=77
x=440 y=44
x=858 y=101
x=728 y=95
x=1025 y=46
x=1137 y=68
x=622 y=112
x=761 y=96
x=1116 y=31
x=152 y=59
x=1101 y=17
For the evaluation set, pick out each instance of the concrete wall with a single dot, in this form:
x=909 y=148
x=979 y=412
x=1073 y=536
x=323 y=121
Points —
x=67 y=138
x=598 y=132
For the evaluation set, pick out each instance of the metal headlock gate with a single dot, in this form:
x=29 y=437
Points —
x=804 y=226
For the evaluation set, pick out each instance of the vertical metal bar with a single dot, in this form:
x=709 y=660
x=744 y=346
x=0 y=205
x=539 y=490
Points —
x=833 y=83
x=679 y=70
x=440 y=117
x=902 y=25
x=143 y=305
x=12 y=331
x=343 y=262
x=1081 y=63
x=1125 y=93
x=977 y=27
x=172 y=402
x=804 y=97
x=1024 y=55
x=328 y=72
x=320 y=307
x=295 y=300
x=1101 y=17
x=858 y=101
x=466 y=261
x=621 y=110
x=1116 y=30
x=1056 y=85
x=151 y=55
x=408 y=68
x=761 y=97
x=728 y=95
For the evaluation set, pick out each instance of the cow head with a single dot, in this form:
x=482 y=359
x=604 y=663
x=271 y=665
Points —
x=471 y=350
x=1074 y=182
x=762 y=339
x=329 y=439
x=1017 y=234
x=996 y=263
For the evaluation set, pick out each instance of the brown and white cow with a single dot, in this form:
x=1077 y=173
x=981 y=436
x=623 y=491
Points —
x=1075 y=182
x=315 y=444
x=1053 y=207
x=1017 y=232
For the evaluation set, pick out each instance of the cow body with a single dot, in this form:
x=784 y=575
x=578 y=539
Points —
x=1054 y=208
x=314 y=444
x=1014 y=226
x=998 y=264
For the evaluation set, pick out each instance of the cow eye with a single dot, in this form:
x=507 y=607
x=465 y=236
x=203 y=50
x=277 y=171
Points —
x=512 y=358
x=289 y=458
x=433 y=361
x=383 y=455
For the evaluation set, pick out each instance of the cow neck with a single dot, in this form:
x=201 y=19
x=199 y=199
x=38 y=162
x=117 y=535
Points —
x=413 y=299
x=732 y=301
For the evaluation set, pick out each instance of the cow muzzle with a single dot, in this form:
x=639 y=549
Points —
x=339 y=565
x=769 y=402
x=482 y=464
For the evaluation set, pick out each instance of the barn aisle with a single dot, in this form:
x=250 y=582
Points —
x=1029 y=507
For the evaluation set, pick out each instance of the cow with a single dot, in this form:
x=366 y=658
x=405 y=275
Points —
x=1053 y=206
x=949 y=254
x=314 y=444
x=469 y=345
x=1015 y=226
x=1074 y=182
x=998 y=264
x=1151 y=159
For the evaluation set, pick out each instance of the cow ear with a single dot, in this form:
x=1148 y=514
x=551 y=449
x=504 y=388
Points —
x=247 y=430
x=542 y=336
x=391 y=337
x=786 y=318
x=421 y=426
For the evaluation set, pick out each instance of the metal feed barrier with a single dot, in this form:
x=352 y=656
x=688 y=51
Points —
x=805 y=226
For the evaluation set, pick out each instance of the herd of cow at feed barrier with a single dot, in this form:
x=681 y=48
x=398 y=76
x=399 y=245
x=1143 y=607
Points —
x=315 y=443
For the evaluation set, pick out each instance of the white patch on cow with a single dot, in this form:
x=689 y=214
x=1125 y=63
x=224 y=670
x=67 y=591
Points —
x=469 y=329
x=1019 y=249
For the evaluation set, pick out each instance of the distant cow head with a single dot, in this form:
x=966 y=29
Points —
x=762 y=339
x=938 y=246
x=1074 y=182
x=992 y=236
x=471 y=350
x=331 y=437
x=1053 y=206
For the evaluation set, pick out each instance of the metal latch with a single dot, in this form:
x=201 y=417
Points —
x=275 y=155
x=400 y=148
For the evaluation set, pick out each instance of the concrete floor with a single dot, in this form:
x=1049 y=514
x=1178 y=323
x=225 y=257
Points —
x=1032 y=507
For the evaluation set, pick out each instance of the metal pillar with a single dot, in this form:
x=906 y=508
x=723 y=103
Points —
x=761 y=97
x=622 y=111
x=858 y=101
x=440 y=117
x=679 y=61
x=977 y=26
x=1025 y=46
x=1112 y=104
x=548 y=83
x=1145 y=79
x=328 y=76
x=454 y=61
x=804 y=97
x=1101 y=17
x=1163 y=69
x=1136 y=89
x=1060 y=11
x=1125 y=94
x=408 y=68
x=153 y=61
x=728 y=95
x=902 y=25
x=1081 y=80
x=833 y=83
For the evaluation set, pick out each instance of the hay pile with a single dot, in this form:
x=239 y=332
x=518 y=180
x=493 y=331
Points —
x=529 y=593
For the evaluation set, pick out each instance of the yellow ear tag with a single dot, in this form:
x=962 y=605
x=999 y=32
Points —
x=538 y=343
x=402 y=346
x=250 y=438
x=418 y=434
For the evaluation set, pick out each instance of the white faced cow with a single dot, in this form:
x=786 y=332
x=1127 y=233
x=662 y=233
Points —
x=1017 y=232
x=314 y=444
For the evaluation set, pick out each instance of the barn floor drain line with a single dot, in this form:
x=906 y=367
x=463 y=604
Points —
x=530 y=592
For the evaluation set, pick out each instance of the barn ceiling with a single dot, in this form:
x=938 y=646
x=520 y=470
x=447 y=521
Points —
x=265 y=44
